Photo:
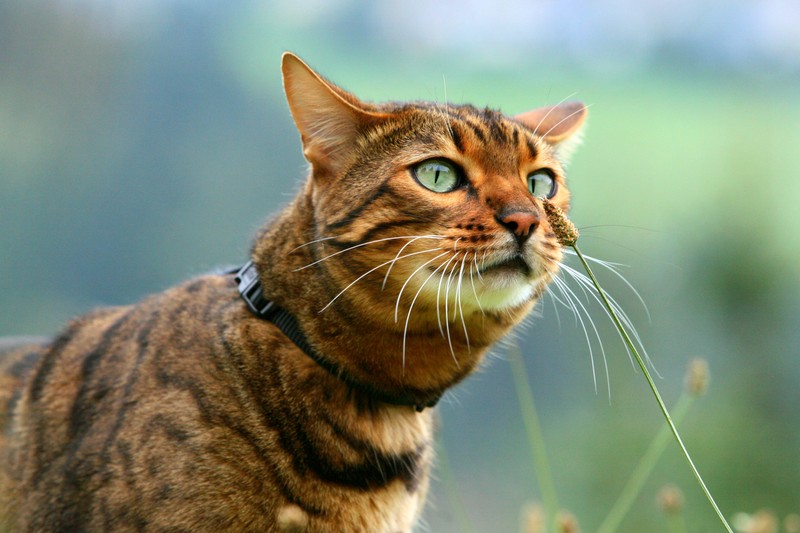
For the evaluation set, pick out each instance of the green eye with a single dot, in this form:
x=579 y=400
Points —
x=541 y=184
x=438 y=175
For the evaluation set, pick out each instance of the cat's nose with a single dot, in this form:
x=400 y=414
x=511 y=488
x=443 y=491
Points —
x=521 y=223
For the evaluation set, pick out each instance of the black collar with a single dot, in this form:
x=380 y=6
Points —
x=251 y=291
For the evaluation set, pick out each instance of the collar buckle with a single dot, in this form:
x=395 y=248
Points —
x=250 y=289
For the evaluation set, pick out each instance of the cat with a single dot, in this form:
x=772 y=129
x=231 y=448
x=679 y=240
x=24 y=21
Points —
x=297 y=393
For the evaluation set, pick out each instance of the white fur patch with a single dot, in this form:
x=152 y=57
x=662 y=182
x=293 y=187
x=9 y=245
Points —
x=492 y=291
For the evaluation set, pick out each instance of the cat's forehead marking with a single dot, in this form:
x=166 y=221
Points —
x=490 y=127
x=499 y=143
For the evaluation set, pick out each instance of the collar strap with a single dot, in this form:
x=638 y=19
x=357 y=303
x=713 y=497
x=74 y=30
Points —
x=252 y=293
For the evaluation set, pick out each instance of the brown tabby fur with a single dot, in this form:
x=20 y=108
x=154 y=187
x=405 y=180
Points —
x=186 y=412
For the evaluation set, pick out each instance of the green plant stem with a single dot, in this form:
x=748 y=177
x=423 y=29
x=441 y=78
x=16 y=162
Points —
x=535 y=436
x=643 y=469
x=451 y=488
x=676 y=524
x=653 y=387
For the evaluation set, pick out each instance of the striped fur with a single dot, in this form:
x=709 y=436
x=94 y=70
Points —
x=185 y=412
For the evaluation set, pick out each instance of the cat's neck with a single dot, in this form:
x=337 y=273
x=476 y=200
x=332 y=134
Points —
x=416 y=363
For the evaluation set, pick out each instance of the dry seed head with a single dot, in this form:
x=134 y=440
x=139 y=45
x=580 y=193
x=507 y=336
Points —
x=697 y=376
x=567 y=523
x=670 y=499
x=533 y=518
x=564 y=229
x=763 y=521
x=792 y=523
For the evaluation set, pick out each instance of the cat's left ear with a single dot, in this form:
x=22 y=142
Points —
x=559 y=125
x=329 y=118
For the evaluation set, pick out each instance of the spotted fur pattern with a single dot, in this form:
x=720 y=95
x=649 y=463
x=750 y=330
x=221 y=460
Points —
x=186 y=412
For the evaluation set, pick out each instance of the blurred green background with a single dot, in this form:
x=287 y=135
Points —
x=144 y=142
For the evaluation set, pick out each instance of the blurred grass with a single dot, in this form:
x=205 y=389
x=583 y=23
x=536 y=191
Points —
x=132 y=156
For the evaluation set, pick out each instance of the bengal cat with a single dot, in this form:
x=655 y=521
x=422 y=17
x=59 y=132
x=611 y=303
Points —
x=416 y=243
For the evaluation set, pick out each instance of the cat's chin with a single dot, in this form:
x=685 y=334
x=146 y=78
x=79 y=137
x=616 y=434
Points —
x=501 y=289
x=502 y=286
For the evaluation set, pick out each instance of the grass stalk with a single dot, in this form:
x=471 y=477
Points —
x=533 y=429
x=567 y=235
x=451 y=489
x=652 y=384
x=676 y=524
x=644 y=468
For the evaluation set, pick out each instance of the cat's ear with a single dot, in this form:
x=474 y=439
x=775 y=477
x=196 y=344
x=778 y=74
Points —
x=559 y=125
x=329 y=118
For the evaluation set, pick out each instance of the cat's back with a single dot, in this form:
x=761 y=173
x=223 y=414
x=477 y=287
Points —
x=122 y=407
x=18 y=357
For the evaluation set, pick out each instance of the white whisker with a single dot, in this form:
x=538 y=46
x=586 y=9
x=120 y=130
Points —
x=574 y=298
x=446 y=312
x=474 y=292
x=565 y=291
x=411 y=306
x=458 y=299
x=614 y=268
x=368 y=243
x=438 y=291
x=555 y=301
x=400 y=251
x=371 y=271
x=623 y=316
x=400 y=294
x=557 y=124
x=552 y=108
x=312 y=242
x=477 y=270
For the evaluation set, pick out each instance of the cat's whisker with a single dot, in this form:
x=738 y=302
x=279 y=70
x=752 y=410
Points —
x=555 y=301
x=400 y=294
x=566 y=118
x=438 y=292
x=445 y=115
x=446 y=107
x=552 y=108
x=586 y=282
x=570 y=294
x=309 y=243
x=460 y=307
x=623 y=316
x=614 y=268
x=360 y=245
x=446 y=310
x=370 y=271
x=477 y=270
x=411 y=306
x=474 y=292
x=388 y=270
x=572 y=306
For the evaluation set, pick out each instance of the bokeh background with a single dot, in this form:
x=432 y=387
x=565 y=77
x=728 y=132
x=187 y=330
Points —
x=144 y=142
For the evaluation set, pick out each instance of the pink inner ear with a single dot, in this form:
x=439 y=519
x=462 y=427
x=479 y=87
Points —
x=327 y=116
x=555 y=123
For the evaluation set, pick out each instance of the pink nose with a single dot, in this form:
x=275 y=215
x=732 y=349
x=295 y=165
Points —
x=521 y=223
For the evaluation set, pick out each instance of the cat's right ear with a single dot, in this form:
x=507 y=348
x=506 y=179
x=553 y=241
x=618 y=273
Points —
x=329 y=119
x=559 y=125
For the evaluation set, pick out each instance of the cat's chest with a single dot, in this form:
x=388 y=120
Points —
x=400 y=447
x=393 y=510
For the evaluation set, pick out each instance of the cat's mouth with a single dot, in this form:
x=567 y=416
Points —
x=515 y=264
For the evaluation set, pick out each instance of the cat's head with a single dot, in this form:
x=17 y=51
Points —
x=428 y=213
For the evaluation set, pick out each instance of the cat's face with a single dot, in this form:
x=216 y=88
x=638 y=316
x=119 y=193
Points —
x=433 y=206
